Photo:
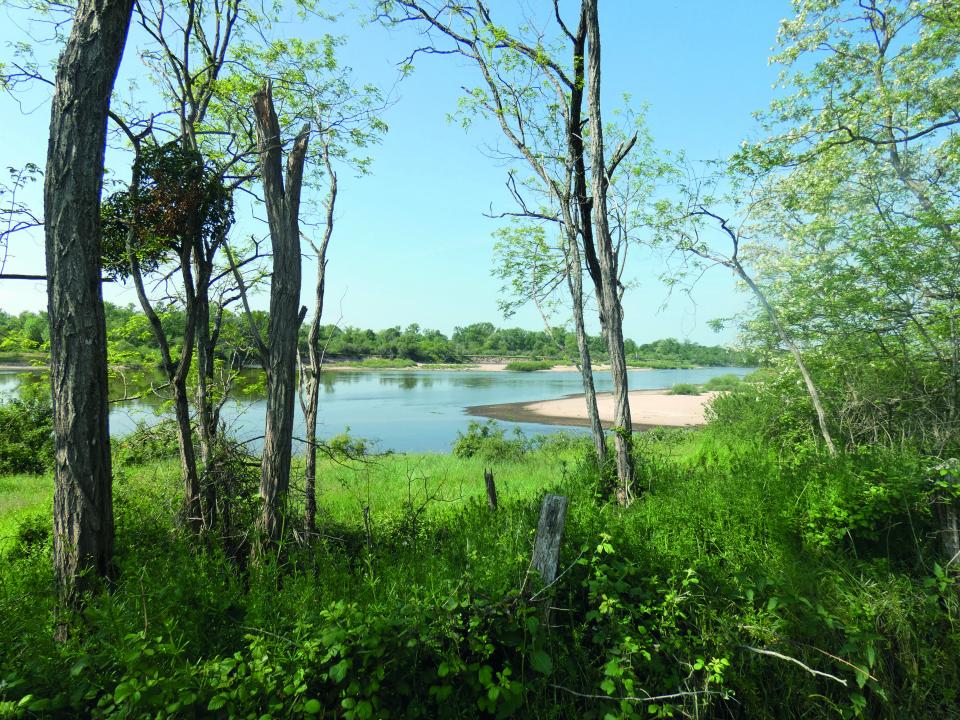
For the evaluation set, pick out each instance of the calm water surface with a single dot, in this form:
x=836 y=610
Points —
x=405 y=410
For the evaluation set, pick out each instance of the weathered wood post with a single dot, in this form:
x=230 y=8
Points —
x=546 y=546
x=491 y=489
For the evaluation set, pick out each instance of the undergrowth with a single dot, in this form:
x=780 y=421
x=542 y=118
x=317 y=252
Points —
x=744 y=582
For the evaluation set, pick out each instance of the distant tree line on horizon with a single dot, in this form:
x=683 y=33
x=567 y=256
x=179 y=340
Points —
x=131 y=342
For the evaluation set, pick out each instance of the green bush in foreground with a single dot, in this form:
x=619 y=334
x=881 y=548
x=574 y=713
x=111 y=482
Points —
x=26 y=436
x=529 y=365
x=684 y=389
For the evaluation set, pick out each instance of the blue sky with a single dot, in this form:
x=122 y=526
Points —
x=412 y=243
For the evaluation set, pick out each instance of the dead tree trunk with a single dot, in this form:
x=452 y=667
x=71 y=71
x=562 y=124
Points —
x=83 y=504
x=609 y=299
x=283 y=216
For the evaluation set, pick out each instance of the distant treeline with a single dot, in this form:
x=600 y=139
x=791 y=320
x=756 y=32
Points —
x=131 y=342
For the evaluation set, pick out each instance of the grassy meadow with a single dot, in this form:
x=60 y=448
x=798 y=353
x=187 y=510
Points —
x=416 y=599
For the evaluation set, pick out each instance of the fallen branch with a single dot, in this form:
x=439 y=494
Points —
x=809 y=669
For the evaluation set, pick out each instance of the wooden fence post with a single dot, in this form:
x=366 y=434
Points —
x=546 y=547
x=491 y=489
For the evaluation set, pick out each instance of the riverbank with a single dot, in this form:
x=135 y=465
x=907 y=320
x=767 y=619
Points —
x=648 y=408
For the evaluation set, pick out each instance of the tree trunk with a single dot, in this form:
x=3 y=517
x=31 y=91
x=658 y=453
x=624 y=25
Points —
x=192 y=509
x=206 y=423
x=575 y=285
x=283 y=210
x=794 y=352
x=83 y=504
x=610 y=305
x=312 y=376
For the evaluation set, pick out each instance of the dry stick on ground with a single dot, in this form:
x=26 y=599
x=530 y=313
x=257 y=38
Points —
x=781 y=656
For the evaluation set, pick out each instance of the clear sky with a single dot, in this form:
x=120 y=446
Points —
x=412 y=243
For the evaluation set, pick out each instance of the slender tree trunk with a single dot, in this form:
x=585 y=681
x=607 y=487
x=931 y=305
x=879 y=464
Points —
x=575 y=285
x=83 y=504
x=206 y=423
x=794 y=352
x=610 y=304
x=283 y=211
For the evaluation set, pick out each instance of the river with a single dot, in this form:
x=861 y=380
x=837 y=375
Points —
x=402 y=410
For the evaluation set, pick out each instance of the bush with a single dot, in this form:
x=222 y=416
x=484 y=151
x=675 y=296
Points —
x=148 y=443
x=26 y=436
x=488 y=441
x=684 y=389
x=529 y=365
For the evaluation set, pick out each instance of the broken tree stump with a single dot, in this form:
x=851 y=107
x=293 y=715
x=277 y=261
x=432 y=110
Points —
x=546 y=546
x=491 y=489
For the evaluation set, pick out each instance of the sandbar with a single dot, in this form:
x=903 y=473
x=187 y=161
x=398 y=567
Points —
x=648 y=408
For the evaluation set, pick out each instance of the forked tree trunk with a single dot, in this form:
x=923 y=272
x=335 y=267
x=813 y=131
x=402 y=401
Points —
x=609 y=296
x=83 y=504
x=283 y=211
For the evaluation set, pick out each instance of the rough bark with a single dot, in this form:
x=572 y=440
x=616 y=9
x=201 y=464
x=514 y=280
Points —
x=611 y=307
x=283 y=211
x=83 y=505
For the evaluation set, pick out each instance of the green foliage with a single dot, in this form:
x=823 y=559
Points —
x=529 y=365
x=146 y=444
x=26 y=436
x=489 y=442
x=420 y=608
x=684 y=389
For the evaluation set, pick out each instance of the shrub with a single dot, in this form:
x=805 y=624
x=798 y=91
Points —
x=26 y=436
x=684 y=389
x=488 y=441
x=148 y=443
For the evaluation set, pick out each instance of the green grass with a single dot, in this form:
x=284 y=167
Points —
x=529 y=365
x=684 y=389
x=20 y=497
x=726 y=546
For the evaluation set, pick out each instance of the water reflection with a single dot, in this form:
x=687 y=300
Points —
x=421 y=410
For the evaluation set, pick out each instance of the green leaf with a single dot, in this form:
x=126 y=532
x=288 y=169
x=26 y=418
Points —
x=312 y=706
x=541 y=662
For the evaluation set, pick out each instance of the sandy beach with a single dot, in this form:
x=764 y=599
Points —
x=648 y=408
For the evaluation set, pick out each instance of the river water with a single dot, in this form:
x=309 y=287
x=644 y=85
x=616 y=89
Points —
x=403 y=410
